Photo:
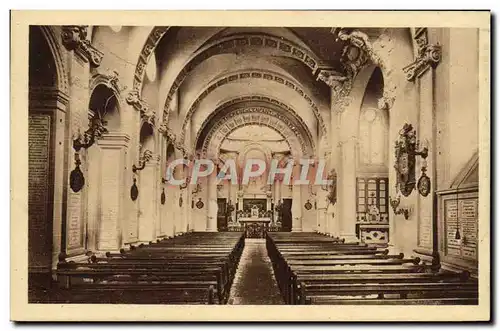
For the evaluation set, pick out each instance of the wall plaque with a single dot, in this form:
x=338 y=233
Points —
x=39 y=189
x=75 y=233
x=461 y=214
x=38 y=166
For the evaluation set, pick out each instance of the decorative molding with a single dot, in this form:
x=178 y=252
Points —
x=52 y=38
x=270 y=76
x=300 y=122
x=357 y=52
x=74 y=38
x=151 y=42
x=148 y=115
x=259 y=116
x=235 y=43
x=110 y=78
x=172 y=138
x=428 y=55
x=361 y=51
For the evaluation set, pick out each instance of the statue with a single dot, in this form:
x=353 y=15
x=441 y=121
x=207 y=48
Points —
x=254 y=212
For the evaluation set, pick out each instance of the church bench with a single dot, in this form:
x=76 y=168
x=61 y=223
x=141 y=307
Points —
x=147 y=294
x=328 y=300
x=173 y=266
x=400 y=290
x=320 y=272
x=352 y=262
x=314 y=256
x=98 y=273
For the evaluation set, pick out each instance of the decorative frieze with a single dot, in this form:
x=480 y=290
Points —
x=428 y=55
x=74 y=38
x=148 y=115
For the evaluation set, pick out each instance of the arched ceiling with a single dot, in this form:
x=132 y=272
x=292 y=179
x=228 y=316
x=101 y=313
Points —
x=202 y=67
x=239 y=113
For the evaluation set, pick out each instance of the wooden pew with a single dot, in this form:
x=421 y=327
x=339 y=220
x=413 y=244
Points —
x=172 y=267
x=327 y=272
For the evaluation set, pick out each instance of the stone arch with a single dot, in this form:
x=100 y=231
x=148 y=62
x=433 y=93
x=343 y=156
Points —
x=263 y=100
x=236 y=42
x=108 y=84
x=152 y=41
x=243 y=117
x=53 y=42
x=254 y=74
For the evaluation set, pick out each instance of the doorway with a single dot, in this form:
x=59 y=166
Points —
x=286 y=215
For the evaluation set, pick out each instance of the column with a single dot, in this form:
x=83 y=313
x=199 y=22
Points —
x=347 y=190
x=148 y=199
x=296 y=202
x=212 y=204
x=321 y=205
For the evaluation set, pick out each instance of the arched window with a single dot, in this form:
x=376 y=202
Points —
x=373 y=134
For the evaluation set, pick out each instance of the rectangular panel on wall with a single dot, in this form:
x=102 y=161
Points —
x=458 y=219
x=110 y=198
x=40 y=189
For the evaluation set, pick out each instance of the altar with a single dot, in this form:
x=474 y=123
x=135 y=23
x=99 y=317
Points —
x=256 y=225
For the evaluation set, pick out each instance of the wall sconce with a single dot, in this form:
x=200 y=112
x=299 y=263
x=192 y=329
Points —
x=96 y=130
x=197 y=189
x=143 y=159
x=395 y=204
x=185 y=184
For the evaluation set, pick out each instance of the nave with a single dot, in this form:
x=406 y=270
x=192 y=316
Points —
x=124 y=207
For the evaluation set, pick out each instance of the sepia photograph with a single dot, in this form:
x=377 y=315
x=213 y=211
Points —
x=332 y=163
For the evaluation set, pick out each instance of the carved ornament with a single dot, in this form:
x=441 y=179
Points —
x=110 y=78
x=428 y=55
x=74 y=38
x=148 y=115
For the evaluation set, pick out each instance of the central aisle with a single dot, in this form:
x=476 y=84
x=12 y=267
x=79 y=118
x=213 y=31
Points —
x=254 y=282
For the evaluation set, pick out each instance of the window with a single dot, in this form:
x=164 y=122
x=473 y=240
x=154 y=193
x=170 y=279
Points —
x=372 y=191
x=373 y=137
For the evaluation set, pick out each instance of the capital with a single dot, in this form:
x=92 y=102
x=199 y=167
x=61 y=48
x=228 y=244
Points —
x=428 y=55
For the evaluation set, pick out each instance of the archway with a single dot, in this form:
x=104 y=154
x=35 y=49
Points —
x=105 y=229
x=46 y=183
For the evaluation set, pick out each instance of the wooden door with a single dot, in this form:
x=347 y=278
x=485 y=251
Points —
x=286 y=215
x=221 y=214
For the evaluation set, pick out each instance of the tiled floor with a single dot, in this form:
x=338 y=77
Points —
x=254 y=283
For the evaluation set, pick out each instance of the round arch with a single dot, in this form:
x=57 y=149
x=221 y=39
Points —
x=62 y=79
x=256 y=74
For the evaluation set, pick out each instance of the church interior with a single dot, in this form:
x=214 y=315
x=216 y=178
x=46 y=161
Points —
x=392 y=112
